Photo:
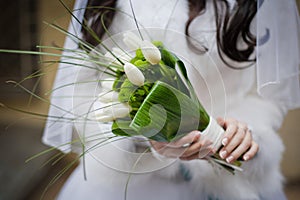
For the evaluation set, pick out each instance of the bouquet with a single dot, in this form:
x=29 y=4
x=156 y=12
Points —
x=150 y=95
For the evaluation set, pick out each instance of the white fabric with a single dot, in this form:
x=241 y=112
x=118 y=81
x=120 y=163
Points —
x=223 y=92
x=278 y=60
x=58 y=132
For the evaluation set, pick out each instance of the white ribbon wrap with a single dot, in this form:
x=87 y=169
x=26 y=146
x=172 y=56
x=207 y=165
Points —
x=213 y=132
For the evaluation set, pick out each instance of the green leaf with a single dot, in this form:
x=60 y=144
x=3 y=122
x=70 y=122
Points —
x=171 y=60
x=141 y=64
x=121 y=128
x=166 y=56
x=182 y=68
x=126 y=90
x=168 y=114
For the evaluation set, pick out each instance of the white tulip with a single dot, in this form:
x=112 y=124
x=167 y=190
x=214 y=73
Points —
x=117 y=53
x=107 y=84
x=117 y=110
x=132 y=41
x=150 y=52
x=99 y=114
x=109 y=57
x=134 y=75
x=106 y=97
x=122 y=55
x=103 y=118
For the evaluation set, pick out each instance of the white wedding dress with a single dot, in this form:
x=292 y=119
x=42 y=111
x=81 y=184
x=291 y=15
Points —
x=223 y=91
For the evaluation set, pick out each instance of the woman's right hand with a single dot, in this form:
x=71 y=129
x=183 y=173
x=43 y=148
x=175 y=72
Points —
x=185 y=148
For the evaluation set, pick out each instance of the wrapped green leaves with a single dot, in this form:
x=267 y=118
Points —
x=157 y=99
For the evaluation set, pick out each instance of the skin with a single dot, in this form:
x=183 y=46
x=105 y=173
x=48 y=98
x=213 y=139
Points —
x=237 y=141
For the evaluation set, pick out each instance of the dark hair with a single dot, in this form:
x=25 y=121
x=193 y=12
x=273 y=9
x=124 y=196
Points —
x=98 y=16
x=231 y=26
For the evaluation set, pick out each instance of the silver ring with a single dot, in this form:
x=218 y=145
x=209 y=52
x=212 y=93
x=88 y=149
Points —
x=186 y=145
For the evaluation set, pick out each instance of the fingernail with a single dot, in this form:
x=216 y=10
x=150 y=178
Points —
x=246 y=158
x=223 y=154
x=229 y=159
x=225 y=141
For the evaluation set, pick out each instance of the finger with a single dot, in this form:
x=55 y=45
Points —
x=235 y=141
x=188 y=139
x=197 y=147
x=192 y=157
x=184 y=152
x=241 y=149
x=171 y=152
x=230 y=130
x=221 y=121
x=196 y=155
x=251 y=152
x=229 y=121
x=158 y=145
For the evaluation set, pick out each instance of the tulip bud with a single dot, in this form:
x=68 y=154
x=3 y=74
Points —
x=103 y=118
x=122 y=55
x=134 y=75
x=106 y=97
x=117 y=110
x=107 y=84
x=99 y=114
x=117 y=53
x=150 y=52
x=131 y=40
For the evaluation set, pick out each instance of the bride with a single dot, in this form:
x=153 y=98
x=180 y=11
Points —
x=242 y=59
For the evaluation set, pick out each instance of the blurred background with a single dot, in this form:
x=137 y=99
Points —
x=22 y=27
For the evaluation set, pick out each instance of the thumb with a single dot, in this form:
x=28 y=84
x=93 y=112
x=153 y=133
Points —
x=221 y=121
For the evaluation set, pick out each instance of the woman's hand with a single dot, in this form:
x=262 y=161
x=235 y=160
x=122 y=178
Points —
x=186 y=148
x=237 y=141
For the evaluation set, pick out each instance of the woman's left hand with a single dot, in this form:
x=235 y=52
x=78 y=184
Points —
x=186 y=148
x=237 y=141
